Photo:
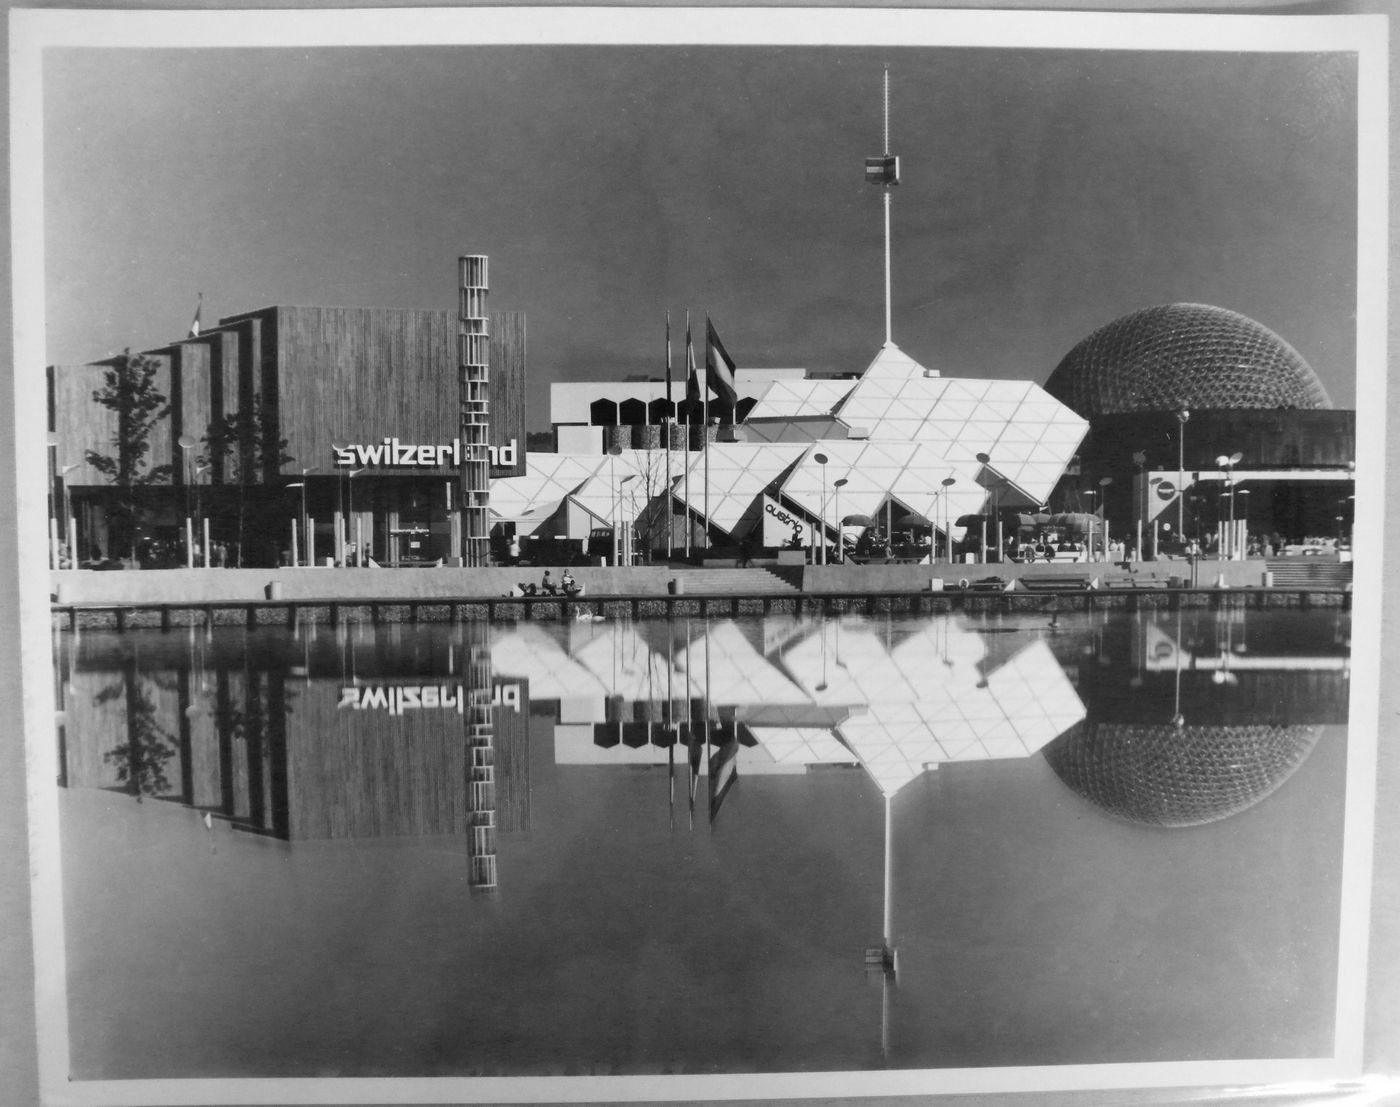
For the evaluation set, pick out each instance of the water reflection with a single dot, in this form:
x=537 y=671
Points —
x=718 y=816
x=1167 y=718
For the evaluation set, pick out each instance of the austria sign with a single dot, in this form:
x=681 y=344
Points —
x=393 y=454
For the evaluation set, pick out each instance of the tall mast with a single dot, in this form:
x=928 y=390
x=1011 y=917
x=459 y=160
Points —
x=884 y=171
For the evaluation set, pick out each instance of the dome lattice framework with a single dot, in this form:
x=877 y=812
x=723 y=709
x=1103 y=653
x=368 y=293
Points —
x=1163 y=775
x=1184 y=355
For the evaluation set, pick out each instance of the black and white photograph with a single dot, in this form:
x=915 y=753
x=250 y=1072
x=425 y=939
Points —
x=651 y=554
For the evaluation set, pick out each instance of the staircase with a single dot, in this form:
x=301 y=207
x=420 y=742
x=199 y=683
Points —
x=1309 y=572
x=748 y=582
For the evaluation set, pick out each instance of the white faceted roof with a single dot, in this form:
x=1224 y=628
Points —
x=910 y=472
x=548 y=479
x=1029 y=435
x=792 y=399
x=739 y=472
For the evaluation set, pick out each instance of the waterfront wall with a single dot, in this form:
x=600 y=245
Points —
x=226 y=585
x=916 y=578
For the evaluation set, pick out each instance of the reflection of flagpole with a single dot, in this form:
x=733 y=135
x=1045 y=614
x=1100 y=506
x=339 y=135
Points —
x=667 y=427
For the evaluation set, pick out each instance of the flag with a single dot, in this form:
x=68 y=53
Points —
x=668 y=366
x=194 y=323
x=719 y=365
x=692 y=383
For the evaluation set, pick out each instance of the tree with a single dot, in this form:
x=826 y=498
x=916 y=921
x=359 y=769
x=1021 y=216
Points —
x=239 y=447
x=129 y=390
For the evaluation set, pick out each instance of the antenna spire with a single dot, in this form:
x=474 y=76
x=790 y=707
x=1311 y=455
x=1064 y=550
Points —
x=884 y=171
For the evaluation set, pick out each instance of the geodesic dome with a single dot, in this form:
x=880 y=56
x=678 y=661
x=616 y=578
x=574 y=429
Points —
x=1184 y=356
x=1163 y=775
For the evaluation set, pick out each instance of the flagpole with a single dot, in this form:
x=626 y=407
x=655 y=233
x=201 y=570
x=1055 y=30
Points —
x=705 y=441
x=670 y=545
x=690 y=368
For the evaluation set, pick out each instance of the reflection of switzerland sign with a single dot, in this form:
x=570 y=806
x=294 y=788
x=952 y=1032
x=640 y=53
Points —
x=391 y=453
x=398 y=698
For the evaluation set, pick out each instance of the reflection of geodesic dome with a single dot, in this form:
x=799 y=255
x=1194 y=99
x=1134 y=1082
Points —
x=1162 y=775
x=1184 y=355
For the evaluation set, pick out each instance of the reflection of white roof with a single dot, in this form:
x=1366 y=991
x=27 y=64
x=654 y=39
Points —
x=918 y=700
x=528 y=652
x=738 y=673
x=789 y=399
x=1029 y=435
x=739 y=473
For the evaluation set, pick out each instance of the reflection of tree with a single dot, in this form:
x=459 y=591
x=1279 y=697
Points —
x=141 y=760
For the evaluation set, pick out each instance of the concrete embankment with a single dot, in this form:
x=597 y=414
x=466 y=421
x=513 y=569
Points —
x=154 y=586
x=189 y=586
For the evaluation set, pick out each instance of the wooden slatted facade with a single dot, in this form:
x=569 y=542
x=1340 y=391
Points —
x=325 y=375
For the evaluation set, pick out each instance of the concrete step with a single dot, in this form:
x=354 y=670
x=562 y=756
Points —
x=1305 y=572
x=714 y=582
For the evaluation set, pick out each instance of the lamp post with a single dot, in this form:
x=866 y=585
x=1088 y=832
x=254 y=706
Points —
x=350 y=483
x=342 y=530
x=613 y=452
x=986 y=461
x=1104 y=482
x=201 y=522
x=822 y=459
x=948 y=482
x=840 y=526
x=628 y=522
x=1228 y=463
x=187 y=444
x=70 y=524
x=1182 y=416
x=305 y=530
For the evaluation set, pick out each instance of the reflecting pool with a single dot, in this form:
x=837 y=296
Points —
x=778 y=843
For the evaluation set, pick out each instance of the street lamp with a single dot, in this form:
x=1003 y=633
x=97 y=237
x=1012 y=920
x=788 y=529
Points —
x=1104 y=482
x=350 y=482
x=1181 y=416
x=822 y=459
x=627 y=539
x=70 y=526
x=840 y=526
x=1228 y=463
x=305 y=530
x=616 y=491
x=187 y=444
x=948 y=482
x=986 y=461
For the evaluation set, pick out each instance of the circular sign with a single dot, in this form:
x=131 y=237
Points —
x=1166 y=490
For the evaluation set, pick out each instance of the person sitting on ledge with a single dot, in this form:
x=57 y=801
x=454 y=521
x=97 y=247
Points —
x=569 y=584
x=547 y=585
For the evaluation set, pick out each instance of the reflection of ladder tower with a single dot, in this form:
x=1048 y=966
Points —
x=481 y=771
x=474 y=374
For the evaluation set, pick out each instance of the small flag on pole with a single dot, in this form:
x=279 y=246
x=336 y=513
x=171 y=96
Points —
x=719 y=365
x=692 y=383
x=194 y=323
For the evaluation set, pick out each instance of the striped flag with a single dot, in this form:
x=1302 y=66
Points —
x=719 y=365
x=194 y=323
x=692 y=383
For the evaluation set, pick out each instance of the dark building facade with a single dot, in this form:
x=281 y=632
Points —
x=349 y=416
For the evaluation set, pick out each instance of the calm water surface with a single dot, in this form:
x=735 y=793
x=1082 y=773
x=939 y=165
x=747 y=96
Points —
x=727 y=844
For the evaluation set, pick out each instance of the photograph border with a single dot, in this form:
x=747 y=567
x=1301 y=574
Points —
x=34 y=31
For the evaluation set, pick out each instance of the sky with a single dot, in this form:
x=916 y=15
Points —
x=1045 y=193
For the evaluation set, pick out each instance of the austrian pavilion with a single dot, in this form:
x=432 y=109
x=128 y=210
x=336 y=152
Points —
x=902 y=440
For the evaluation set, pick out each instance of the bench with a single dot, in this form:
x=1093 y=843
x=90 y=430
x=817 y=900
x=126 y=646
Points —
x=1057 y=582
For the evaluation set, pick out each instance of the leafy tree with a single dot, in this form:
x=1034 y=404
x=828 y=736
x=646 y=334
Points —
x=129 y=390
x=240 y=447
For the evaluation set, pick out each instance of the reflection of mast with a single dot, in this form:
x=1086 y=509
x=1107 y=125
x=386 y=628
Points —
x=481 y=763
x=884 y=958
